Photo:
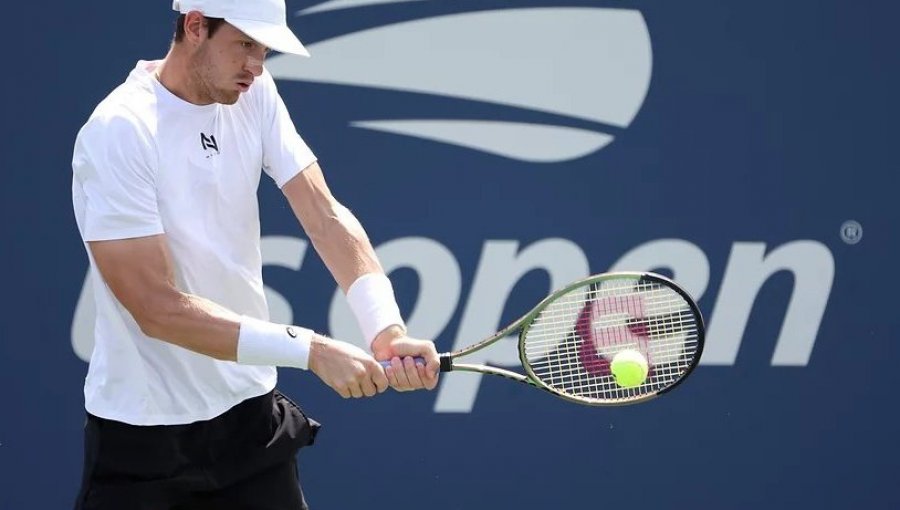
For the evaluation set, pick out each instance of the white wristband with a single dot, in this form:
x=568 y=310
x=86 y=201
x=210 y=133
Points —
x=266 y=343
x=371 y=297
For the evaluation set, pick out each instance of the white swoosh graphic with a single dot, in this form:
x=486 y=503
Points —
x=334 y=5
x=586 y=63
x=533 y=143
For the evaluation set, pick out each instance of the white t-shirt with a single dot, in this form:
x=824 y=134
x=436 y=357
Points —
x=148 y=163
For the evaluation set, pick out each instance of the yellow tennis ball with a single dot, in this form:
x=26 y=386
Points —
x=629 y=367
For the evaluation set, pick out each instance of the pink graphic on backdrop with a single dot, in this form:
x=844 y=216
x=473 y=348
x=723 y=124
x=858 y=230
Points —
x=595 y=340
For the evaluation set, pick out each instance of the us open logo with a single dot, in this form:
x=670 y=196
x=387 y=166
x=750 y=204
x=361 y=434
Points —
x=589 y=68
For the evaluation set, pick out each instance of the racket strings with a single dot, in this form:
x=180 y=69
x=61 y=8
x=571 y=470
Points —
x=571 y=342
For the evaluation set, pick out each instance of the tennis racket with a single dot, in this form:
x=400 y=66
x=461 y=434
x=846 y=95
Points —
x=567 y=341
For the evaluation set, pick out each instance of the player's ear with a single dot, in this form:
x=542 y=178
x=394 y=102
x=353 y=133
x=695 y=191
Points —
x=195 y=27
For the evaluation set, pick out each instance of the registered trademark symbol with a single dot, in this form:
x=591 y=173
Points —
x=851 y=232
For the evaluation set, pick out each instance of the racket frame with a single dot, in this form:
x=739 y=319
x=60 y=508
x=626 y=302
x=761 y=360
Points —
x=523 y=323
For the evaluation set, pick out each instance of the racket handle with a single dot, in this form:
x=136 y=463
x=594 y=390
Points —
x=446 y=365
x=417 y=359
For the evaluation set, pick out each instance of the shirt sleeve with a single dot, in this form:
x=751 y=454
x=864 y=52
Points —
x=114 y=180
x=285 y=154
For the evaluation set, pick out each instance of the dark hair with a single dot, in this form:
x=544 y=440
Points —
x=212 y=24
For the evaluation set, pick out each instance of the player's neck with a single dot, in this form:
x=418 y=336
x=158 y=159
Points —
x=174 y=74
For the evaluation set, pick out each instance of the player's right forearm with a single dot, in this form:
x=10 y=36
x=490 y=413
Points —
x=192 y=322
x=141 y=275
x=205 y=327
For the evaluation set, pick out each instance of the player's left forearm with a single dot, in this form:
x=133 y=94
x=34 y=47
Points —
x=342 y=243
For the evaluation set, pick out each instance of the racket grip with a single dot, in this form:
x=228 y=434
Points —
x=446 y=364
x=417 y=359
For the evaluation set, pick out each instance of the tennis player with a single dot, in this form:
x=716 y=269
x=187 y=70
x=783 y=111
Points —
x=182 y=411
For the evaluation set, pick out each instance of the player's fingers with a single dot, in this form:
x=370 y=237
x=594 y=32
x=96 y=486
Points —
x=391 y=376
x=427 y=380
x=400 y=373
x=355 y=390
x=433 y=367
x=412 y=373
x=420 y=367
x=368 y=387
x=380 y=379
x=343 y=391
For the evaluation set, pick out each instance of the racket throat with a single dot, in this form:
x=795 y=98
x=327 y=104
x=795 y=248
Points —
x=446 y=363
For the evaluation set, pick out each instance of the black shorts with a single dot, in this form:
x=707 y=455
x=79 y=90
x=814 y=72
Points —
x=242 y=459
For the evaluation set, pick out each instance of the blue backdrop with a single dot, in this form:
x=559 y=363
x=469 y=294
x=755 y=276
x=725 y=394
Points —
x=494 y=150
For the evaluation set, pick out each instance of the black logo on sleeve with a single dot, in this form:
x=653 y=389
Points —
x=291 y=333
x=209 y=142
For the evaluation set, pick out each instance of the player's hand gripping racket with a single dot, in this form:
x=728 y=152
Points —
x=568 y=342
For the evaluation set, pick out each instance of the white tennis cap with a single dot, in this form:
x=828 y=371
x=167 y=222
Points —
x=263 y=20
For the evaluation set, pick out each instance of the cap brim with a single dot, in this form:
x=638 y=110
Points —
x=276 y=37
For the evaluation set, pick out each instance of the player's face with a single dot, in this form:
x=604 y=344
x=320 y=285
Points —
x=226 y=64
